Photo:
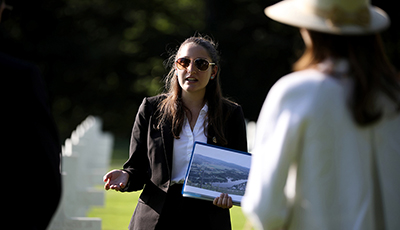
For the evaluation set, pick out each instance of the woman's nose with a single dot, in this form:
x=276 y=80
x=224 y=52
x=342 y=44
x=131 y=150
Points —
x=191 y=68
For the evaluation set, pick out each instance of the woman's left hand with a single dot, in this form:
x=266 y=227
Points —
x=223 y=201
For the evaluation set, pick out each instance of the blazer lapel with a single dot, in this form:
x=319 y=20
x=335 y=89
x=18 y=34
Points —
x=211 y=139
x=168 y=143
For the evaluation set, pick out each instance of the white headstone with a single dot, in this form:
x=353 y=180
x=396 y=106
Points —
x=251 y=134
x=85 y=159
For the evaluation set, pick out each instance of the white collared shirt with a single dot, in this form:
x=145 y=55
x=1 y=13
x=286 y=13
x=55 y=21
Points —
x=183 y=146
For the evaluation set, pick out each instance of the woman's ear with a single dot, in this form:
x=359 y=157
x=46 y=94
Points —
x=214 y=72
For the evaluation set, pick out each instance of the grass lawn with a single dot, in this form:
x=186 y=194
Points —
x=119 y=208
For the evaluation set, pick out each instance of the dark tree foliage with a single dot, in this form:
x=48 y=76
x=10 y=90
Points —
x=102 y=57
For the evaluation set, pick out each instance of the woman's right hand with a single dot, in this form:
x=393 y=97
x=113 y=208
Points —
x=116 y=179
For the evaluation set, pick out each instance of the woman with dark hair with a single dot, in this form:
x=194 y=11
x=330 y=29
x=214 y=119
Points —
x=327 y=149
x=163 y=135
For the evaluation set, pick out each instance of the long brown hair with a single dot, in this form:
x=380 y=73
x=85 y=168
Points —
x=172 y=107
x=369 y=67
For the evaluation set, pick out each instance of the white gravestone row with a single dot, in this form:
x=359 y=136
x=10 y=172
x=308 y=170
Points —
x=251 y=134
x=85 y=159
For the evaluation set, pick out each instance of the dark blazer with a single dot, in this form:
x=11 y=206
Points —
x=151 y=152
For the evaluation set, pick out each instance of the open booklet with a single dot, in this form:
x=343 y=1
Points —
x=214 y=170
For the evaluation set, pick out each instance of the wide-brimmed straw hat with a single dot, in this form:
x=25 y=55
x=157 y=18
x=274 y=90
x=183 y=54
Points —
x=345 y=17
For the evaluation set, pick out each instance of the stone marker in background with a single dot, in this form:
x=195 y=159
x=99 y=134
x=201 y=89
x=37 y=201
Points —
x=85 y=159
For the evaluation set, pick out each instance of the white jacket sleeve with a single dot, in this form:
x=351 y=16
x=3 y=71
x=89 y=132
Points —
x=281 y=123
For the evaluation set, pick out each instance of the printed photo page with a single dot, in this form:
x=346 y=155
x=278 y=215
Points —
x=214 y=170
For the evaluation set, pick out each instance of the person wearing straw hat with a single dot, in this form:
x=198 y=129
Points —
x=327 y=149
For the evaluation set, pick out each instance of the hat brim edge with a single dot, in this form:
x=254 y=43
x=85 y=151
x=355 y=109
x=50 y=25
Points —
x=288 y=12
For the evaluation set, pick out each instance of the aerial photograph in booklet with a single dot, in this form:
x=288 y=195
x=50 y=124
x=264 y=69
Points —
x=218 y=170
x=217 y=175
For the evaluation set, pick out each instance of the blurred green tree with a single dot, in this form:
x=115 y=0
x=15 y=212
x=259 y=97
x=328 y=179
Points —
x=102 y=57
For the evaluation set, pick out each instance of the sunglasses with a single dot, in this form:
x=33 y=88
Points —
x=200 y=63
